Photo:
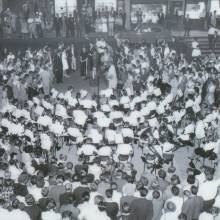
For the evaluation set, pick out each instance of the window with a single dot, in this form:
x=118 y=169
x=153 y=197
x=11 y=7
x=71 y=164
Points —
x=65 y=6
x=99 y=4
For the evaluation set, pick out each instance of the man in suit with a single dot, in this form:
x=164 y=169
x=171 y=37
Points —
x=71 y=25
x=187 y=26
x=141 y=208
x=57 y=25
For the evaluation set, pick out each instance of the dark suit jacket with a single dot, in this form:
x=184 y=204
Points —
x=141 y=209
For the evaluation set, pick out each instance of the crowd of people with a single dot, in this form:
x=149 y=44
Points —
x=69 y=155
x=27 y=25
x=24 y=25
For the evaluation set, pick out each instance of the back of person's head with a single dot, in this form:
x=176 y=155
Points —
x=93 y=187
x=144 y=180
x=194 y=190
x=45 y=191
x=171 y=207
x=102 y=206
x=114 y=186
x=162 y=174
x=175 y=190
x=86 y=196
x=143 y=192
x=125 y=207
x=182 y=216
x=109 y=193
x=156 y=194
x=191 y=179
x=98 y=199
x=67 y=215
x=175 y=180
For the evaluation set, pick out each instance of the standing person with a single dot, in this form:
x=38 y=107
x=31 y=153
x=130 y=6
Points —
x=46 y=78
x=187 y=26
x=214 y=19
x=58 y=67
x=215 y=40
x=71 y=25
x=111 y=22
x=141 y=208
x=57 y=25
x=65 y=64
x=161 y=17
x=39 y=28
x=63 y=25
x=211 y=37
x=77 y=24
x=73 y=58
x=112 y=77
x=92 y=57
x=24 y=27
x=84 y=62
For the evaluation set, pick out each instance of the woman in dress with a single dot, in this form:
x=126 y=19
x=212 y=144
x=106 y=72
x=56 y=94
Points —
x=65 y=63
x=112 y=77
x=104 y=24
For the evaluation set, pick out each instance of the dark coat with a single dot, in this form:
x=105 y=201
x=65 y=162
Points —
x=141 y=209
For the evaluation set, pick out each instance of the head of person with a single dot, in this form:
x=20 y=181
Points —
x=93 y=187
x=156 y=194
x=51 y=204
x=194 y=190
x=29 y=199
x=170 y=207
x=45 y=191
x=175 y=190
x=175 y=180
x=68 y=187
x=86 y=196
x=182 y=216
x=162 y=174
x=143 y=192
x=109 y=193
